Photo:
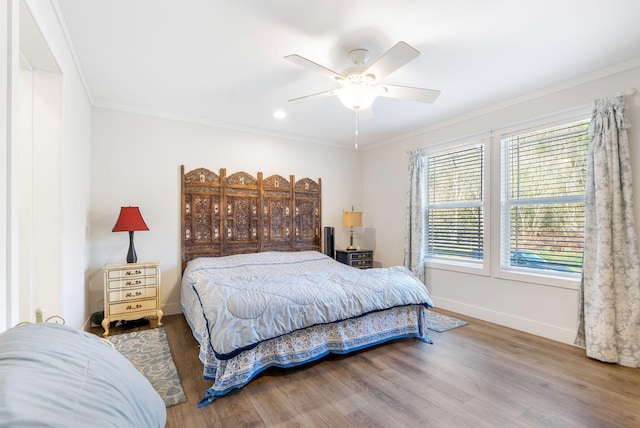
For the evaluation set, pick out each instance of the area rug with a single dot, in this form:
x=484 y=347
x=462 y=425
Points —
x=441 y=322
x=149 y=352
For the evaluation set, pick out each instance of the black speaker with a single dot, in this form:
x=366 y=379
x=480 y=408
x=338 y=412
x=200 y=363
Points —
x=329 y=242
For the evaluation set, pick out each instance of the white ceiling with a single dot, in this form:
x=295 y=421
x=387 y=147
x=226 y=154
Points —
x=221 y=61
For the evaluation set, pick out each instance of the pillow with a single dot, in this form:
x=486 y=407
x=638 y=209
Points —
x=54 y=375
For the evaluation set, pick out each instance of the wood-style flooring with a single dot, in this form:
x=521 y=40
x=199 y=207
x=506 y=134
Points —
x=479 y=375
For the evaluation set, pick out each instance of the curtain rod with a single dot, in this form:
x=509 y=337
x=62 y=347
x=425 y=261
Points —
x=627 y=93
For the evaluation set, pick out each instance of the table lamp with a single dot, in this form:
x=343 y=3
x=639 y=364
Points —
x=130 y=220
x=350 y=219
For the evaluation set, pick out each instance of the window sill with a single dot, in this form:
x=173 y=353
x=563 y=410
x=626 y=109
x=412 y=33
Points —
x=533 y=276
x=568 y=281
x=474 y=268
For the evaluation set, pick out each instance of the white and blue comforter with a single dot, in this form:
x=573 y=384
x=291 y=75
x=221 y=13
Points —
x=247 y=304
x=244 y=308
x=243 y=311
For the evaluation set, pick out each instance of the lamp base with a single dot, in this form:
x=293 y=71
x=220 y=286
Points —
x=132 y=257
x=351 y=247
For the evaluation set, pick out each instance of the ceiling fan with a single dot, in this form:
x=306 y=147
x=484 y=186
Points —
x=360 y=84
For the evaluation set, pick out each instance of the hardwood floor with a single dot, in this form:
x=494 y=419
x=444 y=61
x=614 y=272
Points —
x=479 y=375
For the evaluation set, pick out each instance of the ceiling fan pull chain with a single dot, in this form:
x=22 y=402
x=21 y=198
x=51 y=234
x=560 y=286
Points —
x=356 y=128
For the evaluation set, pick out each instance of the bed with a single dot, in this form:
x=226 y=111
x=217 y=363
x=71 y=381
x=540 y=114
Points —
x=57 y=376
x=257 y=292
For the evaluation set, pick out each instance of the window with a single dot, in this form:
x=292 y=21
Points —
x=534 y=230
x=543 y=186
x=455 y=203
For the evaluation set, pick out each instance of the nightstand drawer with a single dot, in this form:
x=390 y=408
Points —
x=116 y=309
x=132 y=273
x=361 y=263
x=361 y=255
x=133 y=282
x=132 y=294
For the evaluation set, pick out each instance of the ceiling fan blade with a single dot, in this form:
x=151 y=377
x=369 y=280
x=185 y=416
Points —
x=308 y=64
x=409 y=93
x=317 y=95
x=400 y=54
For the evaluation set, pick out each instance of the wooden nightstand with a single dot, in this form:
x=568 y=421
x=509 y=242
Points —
x=362 y=259
x=131 y=291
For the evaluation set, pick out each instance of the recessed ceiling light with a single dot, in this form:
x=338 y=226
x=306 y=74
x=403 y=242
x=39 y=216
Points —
x=279 y=114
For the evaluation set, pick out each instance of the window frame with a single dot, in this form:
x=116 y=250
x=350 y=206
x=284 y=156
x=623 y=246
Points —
x=501 y=252
x=477 y=267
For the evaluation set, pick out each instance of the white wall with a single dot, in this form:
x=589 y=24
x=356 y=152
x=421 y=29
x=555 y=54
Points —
x=535 y=308
x=61 y=289
x=136 y=161
x=9 y=124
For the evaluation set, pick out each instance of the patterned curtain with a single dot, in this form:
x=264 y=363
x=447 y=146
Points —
x=609 y=326
x=414 y=226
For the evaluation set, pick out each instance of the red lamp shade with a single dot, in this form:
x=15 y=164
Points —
x=130 y=220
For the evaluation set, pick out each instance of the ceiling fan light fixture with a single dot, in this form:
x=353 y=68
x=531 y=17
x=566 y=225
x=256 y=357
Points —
x=357 y=97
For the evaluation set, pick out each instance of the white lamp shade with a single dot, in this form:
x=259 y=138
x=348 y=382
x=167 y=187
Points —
x=357 y=97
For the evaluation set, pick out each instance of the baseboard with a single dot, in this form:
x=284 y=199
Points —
x=172 y=308
x=537 y=328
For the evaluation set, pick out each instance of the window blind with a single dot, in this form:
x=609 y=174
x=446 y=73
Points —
x=455 y=218
x=544 y=174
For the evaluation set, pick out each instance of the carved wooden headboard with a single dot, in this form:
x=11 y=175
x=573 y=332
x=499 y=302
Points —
x=239 y=213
